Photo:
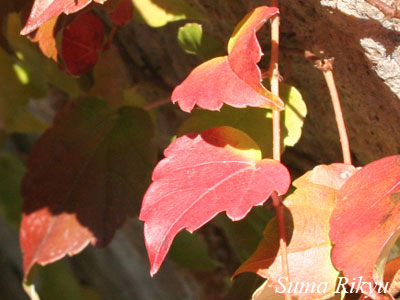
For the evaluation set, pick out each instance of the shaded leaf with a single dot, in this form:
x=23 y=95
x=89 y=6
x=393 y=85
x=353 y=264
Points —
x=201 y=176
x=11 y=173
x=122 y=14
x=234 y=79
x=85 y=175
x=111 y=76
x=308 y=212
x=45 y=10
x=190 y=251
x=30 y=60
x=193 y=40
x=244 y=235
x=157 y=13
x=365 y=221
x=251 y=119
x=81 y=42
x=14 y=98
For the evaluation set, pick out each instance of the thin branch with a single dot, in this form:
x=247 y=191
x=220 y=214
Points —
x=273 y=70
x=157 y=103
x=326 y=66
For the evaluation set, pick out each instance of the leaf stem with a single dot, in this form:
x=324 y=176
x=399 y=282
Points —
x=276 y=131
x=326 y=66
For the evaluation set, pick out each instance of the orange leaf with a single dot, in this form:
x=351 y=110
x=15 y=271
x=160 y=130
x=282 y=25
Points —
x=46 y=37
x=308 y=212
x=365 y=219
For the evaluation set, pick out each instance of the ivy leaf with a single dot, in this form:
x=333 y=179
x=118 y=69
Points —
x=193 y=40
x=201 y=176
x=251 y=119
x=365 y=221
x=45 y=10
x=122 y=14
x=94 y=175
x=157 y=13
x=82 y=39
x=234 y=79
x=309 y=248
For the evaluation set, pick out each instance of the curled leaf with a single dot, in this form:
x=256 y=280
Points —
x=234 y=79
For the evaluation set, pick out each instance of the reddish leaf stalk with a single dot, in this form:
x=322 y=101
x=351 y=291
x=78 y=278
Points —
x=326 y=66
x=276 y=125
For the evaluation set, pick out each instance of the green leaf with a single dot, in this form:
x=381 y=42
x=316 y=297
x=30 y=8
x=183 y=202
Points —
x=157 y=13
x=245 y=235
x=190 y=251
x=11 y=172
x=58 y=277
x=30 y=60
x=256 y=122
x=193 y=40
x=14 y=99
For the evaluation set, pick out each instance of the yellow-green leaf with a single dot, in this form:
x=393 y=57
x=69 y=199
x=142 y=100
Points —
x=193 y=40
x=157 y=13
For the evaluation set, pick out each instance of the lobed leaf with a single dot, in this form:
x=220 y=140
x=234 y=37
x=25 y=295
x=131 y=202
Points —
x=45 y=10
x=309 y=247
x=202 y=175
x=85 y=175
x=234 y=79
x=251 y=119
x=365 y=220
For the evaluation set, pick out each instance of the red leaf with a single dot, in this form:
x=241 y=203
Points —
x=201 y=176
x=234 y=79
x=44 y=10
x=123 y=14
x=82 y=40
x=366 y=217
x=85 y=175
x=309 y=247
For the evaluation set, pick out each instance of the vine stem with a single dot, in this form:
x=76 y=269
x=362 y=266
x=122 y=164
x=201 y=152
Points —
x=326 y=66
x=276 y=141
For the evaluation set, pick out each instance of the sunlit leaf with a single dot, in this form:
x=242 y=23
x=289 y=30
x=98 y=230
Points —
x=309 y=248
x=202 y=175
x=366 y=220
x=256 y=122
x=193 y=40
x=234 y=79
x=157 y=13
x=45 y=10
